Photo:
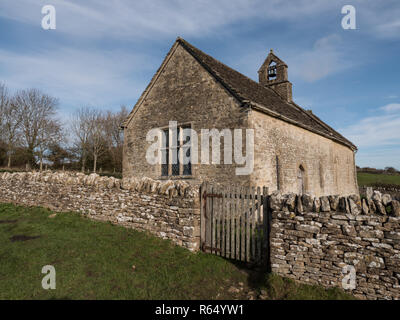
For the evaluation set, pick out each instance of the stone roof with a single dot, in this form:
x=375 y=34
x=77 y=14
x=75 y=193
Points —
x=251 y=93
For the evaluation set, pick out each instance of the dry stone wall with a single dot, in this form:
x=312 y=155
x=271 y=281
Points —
x=320 y=240
x=167 y=209
x=393 y=191
x=312 y=240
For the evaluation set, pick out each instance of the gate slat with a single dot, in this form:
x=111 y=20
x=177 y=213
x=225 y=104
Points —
x=209 y=220
x=219 y=221
x=242 y=229
x=233 y=223
x=246 y=216
x=249 y=214
x=237 y=229
x=228 y=224
x=253 y=224
x=265 y=223
x=223 y=218
x=237 y=223
x=212 y=202
x=260 y=233
x=242 y=214
x=215 y=221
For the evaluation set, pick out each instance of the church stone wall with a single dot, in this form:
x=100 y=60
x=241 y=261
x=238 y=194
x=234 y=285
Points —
x=186 y=93
x=329 y=167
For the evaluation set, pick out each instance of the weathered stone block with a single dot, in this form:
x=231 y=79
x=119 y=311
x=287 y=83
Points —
x=317 y=205
x=355 y=204
x=325 y=205
x=334 y=202
x=365 y=208
x=386 y=199
x=307 y=202
x=291 y=202
x=395 y=205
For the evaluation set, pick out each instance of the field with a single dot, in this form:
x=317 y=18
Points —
x=368 y=179
x=97 y=260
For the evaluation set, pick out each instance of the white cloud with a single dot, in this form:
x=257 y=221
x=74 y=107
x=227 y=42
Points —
x=326 y=57
x=389 y=29
x=322 y=60
x=391 y=107
x=380 y=18
x=158 y=18
x=126 y=18
x=379 y=130
x=375 y=131
x=377 y=137
x=76 y=76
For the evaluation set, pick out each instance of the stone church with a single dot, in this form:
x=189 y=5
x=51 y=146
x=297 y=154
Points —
x=294 y=151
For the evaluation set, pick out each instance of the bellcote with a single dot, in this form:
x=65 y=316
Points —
x=274 y=74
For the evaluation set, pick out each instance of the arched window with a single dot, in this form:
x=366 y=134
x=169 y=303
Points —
x=301 y=180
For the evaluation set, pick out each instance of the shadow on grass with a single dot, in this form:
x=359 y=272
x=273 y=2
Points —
x=271 y=286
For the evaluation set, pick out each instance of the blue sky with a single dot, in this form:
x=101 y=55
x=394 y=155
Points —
x=103 y=53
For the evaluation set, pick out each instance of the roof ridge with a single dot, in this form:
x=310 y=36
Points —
x=188 y=48
x=246 y=89
x=226 y=66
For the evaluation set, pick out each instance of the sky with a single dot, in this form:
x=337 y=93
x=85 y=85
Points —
x=103 y=53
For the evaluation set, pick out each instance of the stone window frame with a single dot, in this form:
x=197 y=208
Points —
x=278 y=172
x=321 y=170
x=169 y=176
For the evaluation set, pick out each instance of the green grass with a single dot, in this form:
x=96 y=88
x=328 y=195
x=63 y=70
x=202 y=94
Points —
x=93 y=260
x=369 y=179
x=278 y=288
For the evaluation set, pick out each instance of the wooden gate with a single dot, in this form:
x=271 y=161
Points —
x=235 y=222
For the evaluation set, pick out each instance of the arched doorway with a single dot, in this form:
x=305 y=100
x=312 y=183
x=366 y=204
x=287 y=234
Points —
x=300 y=180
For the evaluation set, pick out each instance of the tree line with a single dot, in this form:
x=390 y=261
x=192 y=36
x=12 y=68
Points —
x=32 y=136
x=386 y=170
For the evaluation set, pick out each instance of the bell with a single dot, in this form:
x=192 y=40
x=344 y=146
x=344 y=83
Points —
x=272 y=72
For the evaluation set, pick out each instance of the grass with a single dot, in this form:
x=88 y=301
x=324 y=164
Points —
x=94 y=260
x=371 y=179
x=278 y=288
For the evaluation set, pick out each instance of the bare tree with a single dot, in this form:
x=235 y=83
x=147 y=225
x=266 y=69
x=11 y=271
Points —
x=98 y=138
x=38 y=111
x=114 y=134
x=50 y=134
x=3 y=103
x=11 y=118
x=89 y=128
x=81 y=125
